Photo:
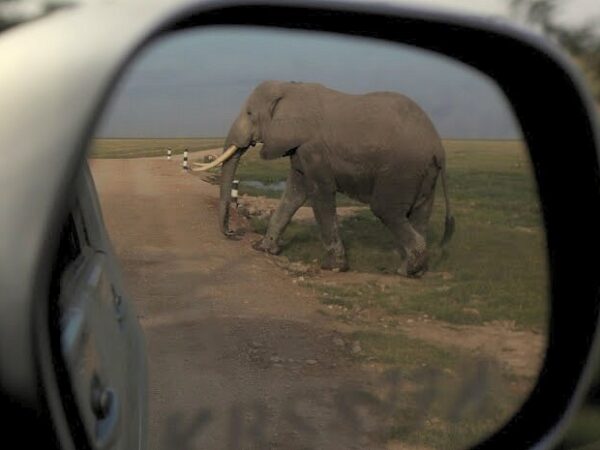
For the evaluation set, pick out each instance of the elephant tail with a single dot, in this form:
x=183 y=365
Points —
x=449 y=224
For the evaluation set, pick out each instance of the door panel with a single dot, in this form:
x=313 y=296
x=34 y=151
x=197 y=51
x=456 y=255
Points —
x=100 y=340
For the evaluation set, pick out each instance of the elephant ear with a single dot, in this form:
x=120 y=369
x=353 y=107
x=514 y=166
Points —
x=274 y=105
x=286 y=127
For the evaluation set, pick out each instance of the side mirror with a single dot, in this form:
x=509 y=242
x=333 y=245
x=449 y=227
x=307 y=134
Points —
x=72 y=358
x=87 y=353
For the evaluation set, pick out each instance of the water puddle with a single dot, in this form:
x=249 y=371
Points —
x=278 y=186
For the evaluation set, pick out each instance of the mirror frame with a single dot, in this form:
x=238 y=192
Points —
x=572 y=339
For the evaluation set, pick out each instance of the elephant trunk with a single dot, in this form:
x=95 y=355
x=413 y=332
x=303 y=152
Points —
x=240 y=136
x=227 y=176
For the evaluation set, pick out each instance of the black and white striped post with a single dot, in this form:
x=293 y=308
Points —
x=185 y=160
x=235 y=192
x=169 y=153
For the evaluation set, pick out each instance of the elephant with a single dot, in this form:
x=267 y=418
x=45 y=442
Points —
x=379 y=148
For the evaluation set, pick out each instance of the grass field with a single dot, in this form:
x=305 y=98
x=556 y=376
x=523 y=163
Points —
x=138 y=148
x=494 y=269
x=496 y=260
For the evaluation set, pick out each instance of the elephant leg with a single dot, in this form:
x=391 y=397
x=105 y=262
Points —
x=323 y=204
x=293 y=198
x=411 y=243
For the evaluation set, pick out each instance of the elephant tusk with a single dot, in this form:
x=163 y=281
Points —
x=224 y=156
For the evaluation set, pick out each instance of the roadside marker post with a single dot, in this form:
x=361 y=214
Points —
x=185 y=159
x=235 y=192
x=169 y=154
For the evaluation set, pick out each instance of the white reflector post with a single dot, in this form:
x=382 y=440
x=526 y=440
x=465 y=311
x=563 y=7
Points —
x=185 y=159
x=169 y=154
x=234 y=191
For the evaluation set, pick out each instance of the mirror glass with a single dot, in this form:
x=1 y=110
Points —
x=366 y=270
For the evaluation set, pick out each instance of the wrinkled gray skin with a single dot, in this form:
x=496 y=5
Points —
x=379 y=148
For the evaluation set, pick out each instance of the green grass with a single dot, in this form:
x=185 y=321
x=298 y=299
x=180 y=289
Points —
x=495 y=264
x=138 y=148
x=436 y=397
x=396 y=349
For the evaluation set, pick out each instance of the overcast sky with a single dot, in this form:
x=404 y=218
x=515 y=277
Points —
x=569 y=12
x=193 y=84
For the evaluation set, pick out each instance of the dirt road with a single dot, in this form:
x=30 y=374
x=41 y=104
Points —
x=239 y=355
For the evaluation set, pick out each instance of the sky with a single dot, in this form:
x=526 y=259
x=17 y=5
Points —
x=193 y=84
x=571 y=12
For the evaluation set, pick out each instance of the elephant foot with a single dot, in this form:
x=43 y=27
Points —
x=267 y=246
x=334 y=263
x=234 y=235
x=416 y=264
